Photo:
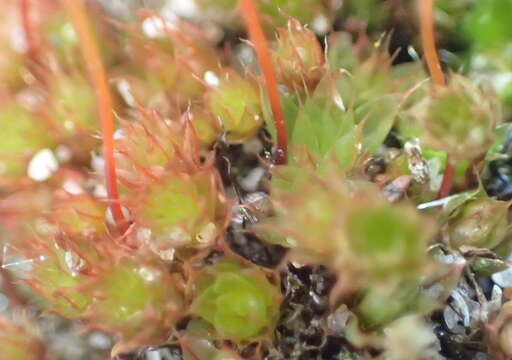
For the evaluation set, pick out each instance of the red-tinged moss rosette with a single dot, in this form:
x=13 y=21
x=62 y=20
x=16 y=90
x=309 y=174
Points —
x=169 y=65
x=182 y=210
x=387 y=239
x=354 y=228
x=58 y=269
x=298 y=57
x=106 y=288
x=236 y=103
x=481 y=223
x=19 y=341
x=147 y=146
x=136 y=299
x=80 y=215
x=239 y=302
x=459 y=119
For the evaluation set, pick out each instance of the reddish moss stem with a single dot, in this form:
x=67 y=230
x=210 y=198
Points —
x=251 y=16
x=426 y=9
x=28 y=27
x=429 y=43
x=92 y=59
x=446 y=185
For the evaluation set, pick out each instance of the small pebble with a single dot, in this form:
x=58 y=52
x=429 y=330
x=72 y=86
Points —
x=503 y=278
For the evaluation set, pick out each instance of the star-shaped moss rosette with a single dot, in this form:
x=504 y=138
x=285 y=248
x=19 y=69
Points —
x=181 y=210
x=235 y=101
x=298 y=57
x=460 y=111
x=239 y=302
x=474 y=220
x=370 y=236
x=168 y=64
x=107 y=287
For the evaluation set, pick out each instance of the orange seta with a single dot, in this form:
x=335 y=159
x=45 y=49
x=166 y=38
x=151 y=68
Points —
x=251 y=16
x=426 y=9
x=96 y=71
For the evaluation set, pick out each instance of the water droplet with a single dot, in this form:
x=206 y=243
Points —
x=42 y=165
x=211 y=78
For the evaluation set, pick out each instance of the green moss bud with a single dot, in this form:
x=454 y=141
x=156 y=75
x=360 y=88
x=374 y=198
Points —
x=236 y=102
x=206 y=126
x=479 y=223
x=387 y=239
x=460 y=119
x=240 y=303
x=182 y=210
x=298 y=57
x=353 y=228
x=380 y=305
x=130 y=295
x=148 y=144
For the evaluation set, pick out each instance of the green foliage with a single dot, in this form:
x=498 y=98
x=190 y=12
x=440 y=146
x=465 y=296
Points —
x=298 y=57
x=129 y=294
x=236 y=103
x=56 y=276
x=488 y=23
x=80 y=215
x=182 y=210
x=380 y=306
x=480 y=222
x=240 y=303
x=321 y=127
x=444 y=115
x=206 y=125
x=387 y=238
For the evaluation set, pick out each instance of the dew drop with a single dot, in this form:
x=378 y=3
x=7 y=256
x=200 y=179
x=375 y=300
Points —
x=42 y=165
